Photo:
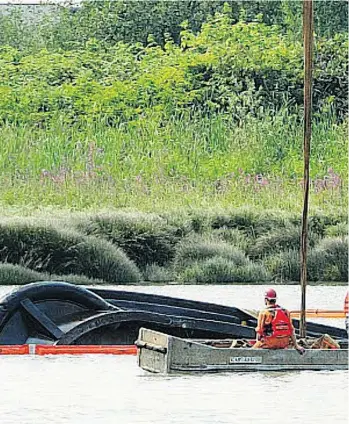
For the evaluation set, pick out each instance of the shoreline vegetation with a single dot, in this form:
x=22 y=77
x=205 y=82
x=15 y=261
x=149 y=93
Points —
x=212 y=246
x=180 y=163
x=147 y=142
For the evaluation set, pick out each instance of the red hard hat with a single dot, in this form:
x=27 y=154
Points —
x=270 y=294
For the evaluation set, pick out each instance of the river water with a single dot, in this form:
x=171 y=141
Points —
x=97 y=389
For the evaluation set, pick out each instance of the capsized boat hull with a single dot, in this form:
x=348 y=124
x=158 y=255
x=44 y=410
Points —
x=162 y=353
x=63 y=313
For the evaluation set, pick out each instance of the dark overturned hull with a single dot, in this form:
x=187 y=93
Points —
x=65 y=314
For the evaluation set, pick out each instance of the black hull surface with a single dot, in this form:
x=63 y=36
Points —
x=65 y=314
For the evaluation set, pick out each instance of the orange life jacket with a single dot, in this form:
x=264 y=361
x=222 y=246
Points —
x=346 y=304
x=281 y=325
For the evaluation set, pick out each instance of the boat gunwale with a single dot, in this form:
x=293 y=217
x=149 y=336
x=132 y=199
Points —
x=188 y=355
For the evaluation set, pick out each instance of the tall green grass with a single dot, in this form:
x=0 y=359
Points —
x=151 y=163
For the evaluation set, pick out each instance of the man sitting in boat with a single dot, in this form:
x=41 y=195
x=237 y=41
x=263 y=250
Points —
x=274 y=329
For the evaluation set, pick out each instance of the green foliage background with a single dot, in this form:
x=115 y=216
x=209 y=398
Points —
x=165 y=107
x=168 y=102
x=112 y=60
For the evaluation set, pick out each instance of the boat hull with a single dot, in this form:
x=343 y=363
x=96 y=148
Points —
x=162 y=353
x=65 y=314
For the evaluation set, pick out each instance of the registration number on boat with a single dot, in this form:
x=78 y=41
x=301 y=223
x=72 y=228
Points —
x=245 y=359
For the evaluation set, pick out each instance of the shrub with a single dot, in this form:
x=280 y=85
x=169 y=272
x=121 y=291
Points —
x=327 y=262
x=146 y=238
x=338 y=230
x=56 y=251
x=283 y=266
x=251 y=223
x=319 y=223
x=221 y=270
x=198 y=248
x=232 y=236
x=224 y=68
x=335 y=252
x=199 y=220
x=157 y=274
x=11 y=274
x=76 y=279
x=278 y=240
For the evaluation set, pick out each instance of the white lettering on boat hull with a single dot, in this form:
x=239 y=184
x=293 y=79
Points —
x=245 y=360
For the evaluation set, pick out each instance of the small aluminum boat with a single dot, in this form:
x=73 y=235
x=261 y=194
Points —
x=162 y=353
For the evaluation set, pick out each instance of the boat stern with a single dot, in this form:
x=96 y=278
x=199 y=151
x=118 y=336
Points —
x=153 y=350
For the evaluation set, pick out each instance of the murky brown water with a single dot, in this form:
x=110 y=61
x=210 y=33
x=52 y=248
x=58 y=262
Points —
x=112 y=389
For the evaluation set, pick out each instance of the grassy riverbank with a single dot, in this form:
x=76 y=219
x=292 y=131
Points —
x=197 y=246
x=170 y=149
x=185 y=107
x=158 y=165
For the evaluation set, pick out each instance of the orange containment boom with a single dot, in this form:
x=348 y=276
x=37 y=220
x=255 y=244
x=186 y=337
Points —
x=33 y=349
x=14 y=350
x=319 y=313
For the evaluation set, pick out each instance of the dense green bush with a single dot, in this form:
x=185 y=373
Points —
x=204 y=259
x=234 y=237
x=136 y=21
x=157 y=274
x=335 y=250
x=32 y=249
x=146 y=238
x=62 y=252
x=240 y=69
x=318 y=223
x=196 y=249
x=287 y=238
x=338 y=230
x=328 y=261
x=285 y=266
x=251 y=223
x=222 y=270
x=11 y=274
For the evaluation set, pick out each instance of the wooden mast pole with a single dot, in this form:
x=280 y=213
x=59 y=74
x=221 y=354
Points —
x=308 y=56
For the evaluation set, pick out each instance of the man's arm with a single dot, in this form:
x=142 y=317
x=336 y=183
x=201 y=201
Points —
x=260 y=325
x=294 y=342
x=298 y=347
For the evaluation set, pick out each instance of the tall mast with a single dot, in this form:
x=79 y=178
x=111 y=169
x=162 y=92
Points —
x=308 y=59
